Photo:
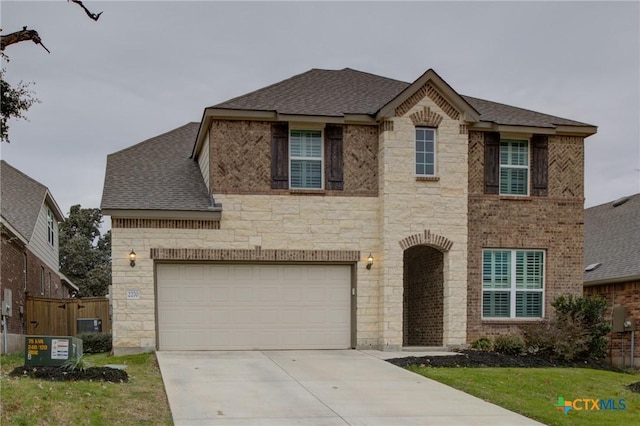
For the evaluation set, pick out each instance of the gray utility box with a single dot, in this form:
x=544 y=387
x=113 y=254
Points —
x=44 y=351
x=89 y=325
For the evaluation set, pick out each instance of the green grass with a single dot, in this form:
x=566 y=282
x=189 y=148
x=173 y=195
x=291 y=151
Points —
x=533 y=392
x=141 y=401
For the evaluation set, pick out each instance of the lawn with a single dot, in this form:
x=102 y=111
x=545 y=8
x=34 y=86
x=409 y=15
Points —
x=25 y=401
x=533 y=392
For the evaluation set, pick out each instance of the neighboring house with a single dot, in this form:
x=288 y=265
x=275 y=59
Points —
x=612 y=267
x=341 y=209
x=29 y=253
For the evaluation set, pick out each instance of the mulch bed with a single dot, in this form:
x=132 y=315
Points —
x=485 y=359
x=96 y=374
x=475 y=358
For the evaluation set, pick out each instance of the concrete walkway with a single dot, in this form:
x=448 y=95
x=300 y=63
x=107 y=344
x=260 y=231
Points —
x=314 y=388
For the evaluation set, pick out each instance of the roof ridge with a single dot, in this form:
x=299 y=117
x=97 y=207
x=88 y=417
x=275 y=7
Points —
x=23 y=174
x=267 y=87
x=524 y=109
x=608 y=203
x=152 y=138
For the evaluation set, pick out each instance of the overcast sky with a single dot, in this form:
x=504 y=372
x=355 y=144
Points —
x=148 y=67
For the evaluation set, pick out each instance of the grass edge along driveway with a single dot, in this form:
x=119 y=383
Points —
x=534 y=392
x=26 y=401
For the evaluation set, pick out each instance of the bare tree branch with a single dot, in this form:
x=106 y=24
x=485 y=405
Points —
x=94 y=16
x=19 y=36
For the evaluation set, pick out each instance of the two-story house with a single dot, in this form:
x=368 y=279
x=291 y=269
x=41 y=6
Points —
x=341 y=209
x=29 y=253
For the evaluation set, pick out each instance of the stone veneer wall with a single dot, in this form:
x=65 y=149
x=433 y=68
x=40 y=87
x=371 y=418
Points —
x=423 y=297
x=621 y=294
x=239 y=164
x=276 y=222
x=553 y=223
x=410 y=205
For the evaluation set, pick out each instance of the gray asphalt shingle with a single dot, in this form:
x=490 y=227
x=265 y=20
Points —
x=21 y=199
x=156 y=174
x=612 y=238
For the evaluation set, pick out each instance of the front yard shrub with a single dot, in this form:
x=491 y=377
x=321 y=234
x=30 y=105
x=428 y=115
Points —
x=482 y=344
x=583 y=318
x=509 y=344
x=577 y=333
x=94 y=343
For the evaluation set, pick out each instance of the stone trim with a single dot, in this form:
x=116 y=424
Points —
x=256 y=255
x=426 y=117
x=385 y=126
x=427 y=238
x=164 y=223
x=428 y=178
x=432 y=93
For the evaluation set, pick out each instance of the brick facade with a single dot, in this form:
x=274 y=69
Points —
x=235 y=167
x=621 y=294
x=13 y=277
x=423 y=297
x=553 y=224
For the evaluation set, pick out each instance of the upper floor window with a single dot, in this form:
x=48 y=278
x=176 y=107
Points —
x=42 y=280
x=514 y=167
x=512 y=283
x=306 y=159
x=425 y=151
x=50 y=227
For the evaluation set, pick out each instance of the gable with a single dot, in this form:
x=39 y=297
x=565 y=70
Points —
x=23 y=199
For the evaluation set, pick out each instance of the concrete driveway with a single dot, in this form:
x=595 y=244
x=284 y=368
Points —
x=314 y=388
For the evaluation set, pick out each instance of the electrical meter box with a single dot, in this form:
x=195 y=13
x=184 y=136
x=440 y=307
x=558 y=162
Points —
x=44 y=351
x=89 y=325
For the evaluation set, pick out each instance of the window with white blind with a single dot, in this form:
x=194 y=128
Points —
x=512 y=283
x=514 y=167
x=305 y=165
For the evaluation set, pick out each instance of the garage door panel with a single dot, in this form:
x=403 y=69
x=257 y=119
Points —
x=227 y=307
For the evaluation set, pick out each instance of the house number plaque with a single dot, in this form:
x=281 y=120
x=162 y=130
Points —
x=133 y=294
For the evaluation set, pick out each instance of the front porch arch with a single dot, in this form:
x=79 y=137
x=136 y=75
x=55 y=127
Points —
x=426 y=238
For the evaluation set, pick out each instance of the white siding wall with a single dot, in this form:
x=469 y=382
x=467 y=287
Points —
x=39 y=244
x=203 y=161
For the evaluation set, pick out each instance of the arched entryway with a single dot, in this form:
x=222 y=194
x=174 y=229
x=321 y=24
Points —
x=423 y=297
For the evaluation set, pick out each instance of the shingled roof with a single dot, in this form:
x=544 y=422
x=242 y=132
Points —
x=21 y=199
x=156 y=174
x=322 y=92
x=348 y=91
x=612 y=238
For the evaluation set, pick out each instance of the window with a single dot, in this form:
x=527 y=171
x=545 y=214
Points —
x=514 y=167
x=42 y=280
x=305 y=159
x=425 y=151
x=512 y=283
x=24 y=269
x=50 y=228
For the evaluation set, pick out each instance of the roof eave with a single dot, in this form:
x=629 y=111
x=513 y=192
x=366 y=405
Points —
x=214 y=213
x=5 y=224
x=213 y=113
x=615 y=280
x=57 y=212
x=583 y=131
x=469 y=114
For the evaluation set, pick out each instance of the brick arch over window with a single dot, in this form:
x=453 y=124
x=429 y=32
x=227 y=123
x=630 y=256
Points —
x=427 y=238
x=426 y=117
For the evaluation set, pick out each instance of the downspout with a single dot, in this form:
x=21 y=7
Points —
x=4 y=334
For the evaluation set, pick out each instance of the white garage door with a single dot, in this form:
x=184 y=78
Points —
x=243 y=307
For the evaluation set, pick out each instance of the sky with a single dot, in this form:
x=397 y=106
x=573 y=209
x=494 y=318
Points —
x=147 y=67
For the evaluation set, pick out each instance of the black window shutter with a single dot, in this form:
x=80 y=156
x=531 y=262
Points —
x=280 y=156
x=492 y=163
x=540 y=166
x=334 y=164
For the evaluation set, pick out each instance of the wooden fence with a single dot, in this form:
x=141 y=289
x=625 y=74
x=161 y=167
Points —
x=59 y=317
